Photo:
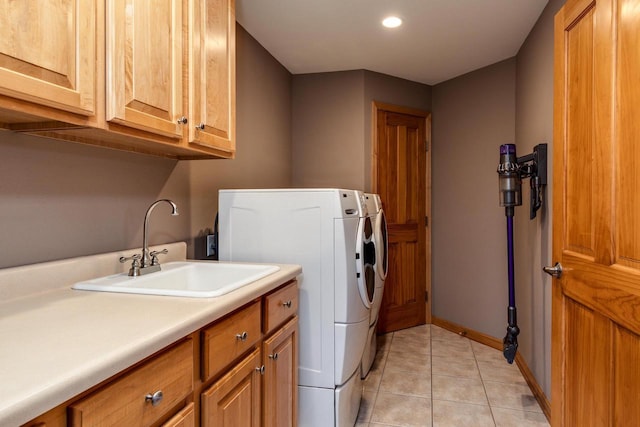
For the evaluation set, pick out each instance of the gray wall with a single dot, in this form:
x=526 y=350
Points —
x=332 y=124
x=328 y=132
x=472 y=116
x=470 y=121
x=534 y=125
x=62 y=200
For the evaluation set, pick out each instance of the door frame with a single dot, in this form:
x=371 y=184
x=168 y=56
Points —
x=375 y=107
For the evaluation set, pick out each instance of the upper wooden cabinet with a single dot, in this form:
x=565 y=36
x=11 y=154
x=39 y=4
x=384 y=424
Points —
x=155 y=77
x=48 y=53
x=144 y=65
x=212 y=71
x=147 y=70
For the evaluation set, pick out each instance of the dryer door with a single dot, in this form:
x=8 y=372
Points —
x=365 y=261
x=382 y=245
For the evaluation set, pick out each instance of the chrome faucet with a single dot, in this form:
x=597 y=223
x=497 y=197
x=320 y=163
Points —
x=148 y=261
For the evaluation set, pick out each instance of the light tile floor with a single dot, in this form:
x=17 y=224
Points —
x=428 y=376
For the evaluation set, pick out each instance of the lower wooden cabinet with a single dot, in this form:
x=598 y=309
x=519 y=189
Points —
x=262 y=390
x=185 y=385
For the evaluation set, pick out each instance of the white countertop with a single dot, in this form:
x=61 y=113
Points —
x=58 y=343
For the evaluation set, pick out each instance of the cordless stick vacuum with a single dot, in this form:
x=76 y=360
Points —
x=511 y=171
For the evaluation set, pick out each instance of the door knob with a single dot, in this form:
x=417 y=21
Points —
x=555 y=271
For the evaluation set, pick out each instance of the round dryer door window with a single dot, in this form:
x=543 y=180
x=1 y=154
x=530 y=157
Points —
x=366 y=257
x=382 y=245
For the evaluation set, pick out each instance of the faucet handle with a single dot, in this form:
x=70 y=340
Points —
x=135 y=265
x=154 y=256
x=135 y=257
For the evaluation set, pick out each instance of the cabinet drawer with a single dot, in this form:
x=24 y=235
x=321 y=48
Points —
x=280 y=306
x=124 y=401
x=228 y=339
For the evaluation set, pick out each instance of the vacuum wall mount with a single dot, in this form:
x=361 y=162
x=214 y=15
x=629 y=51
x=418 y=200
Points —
x=511 y=170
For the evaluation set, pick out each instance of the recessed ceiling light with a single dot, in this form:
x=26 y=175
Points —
x=392 y=22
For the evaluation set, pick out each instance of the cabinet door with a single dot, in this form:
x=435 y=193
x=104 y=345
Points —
x=144 y=65
x=280 y=400
x=234 y=400
x=212 y=70
x=184 y=418
x=48 y=53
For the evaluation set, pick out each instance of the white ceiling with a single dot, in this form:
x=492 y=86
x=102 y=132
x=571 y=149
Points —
x=439 y=39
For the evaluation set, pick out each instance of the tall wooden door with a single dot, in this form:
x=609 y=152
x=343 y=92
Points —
x=596 y=215
x=400 y=176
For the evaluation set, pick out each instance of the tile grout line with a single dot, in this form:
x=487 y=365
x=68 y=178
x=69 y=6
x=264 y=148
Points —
x=431 y=369
x=384 y=366
x=486 y=395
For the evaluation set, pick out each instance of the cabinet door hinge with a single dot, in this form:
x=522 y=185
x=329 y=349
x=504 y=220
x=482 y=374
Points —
x=426 y=221
x=426 y=296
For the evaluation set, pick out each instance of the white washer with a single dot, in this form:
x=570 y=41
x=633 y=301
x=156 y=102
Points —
x=374 y=208
x=324 y=231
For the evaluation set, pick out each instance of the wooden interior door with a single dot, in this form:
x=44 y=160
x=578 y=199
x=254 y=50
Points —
x=596 y=215
x=401 y=177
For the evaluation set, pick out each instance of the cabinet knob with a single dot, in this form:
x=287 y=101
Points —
x=182 y=120
x=273 y=356
x=154 y=398
x=287 y=304
x=200 y=126
x=260 y=369
x=242 y=337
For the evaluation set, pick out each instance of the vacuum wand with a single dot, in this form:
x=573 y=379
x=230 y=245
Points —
x=510 y=341
x=511 y=170
x=510 y=185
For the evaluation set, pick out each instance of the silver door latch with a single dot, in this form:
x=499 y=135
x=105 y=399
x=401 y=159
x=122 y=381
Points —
x=555 y=271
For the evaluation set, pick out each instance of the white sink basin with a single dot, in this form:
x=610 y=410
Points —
x=183 y=279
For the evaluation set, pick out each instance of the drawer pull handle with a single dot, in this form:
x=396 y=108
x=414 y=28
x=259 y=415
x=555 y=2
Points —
x=260 y=369
x=242 y=337
x=273 y=356
x=154 y=398
x=287 y=304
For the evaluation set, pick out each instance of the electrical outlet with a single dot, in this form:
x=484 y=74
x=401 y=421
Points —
x=211 y=245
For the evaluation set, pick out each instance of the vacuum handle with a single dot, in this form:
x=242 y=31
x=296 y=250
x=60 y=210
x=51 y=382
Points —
x=555 y=271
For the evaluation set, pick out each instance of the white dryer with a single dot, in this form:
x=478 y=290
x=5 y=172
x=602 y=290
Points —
x=378 y=220
x=325 y=231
